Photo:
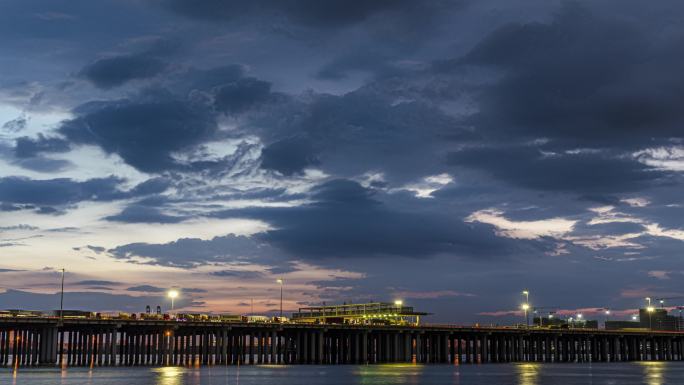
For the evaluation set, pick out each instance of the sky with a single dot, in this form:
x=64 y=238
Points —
x=448 y=153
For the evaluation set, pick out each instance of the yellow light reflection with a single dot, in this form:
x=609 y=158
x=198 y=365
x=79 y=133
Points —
x=169 y=375
x=403 y=373
x=528 y=373
x=653 y=372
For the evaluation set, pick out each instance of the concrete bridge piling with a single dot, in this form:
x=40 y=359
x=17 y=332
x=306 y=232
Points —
x=94 y=343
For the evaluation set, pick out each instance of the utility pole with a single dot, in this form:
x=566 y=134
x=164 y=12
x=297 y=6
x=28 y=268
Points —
x=280 y=281
x=526 y=307
x=61 y=300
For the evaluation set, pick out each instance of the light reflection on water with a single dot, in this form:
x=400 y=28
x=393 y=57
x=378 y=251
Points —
x=528 y=373
x=408 y=374
x=649 y=373
x=169 y=375
x=653 y=372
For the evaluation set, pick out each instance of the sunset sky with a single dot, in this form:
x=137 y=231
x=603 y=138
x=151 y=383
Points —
x=449 y=153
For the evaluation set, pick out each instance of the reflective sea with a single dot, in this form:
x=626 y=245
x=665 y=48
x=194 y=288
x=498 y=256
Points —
x=651 y=373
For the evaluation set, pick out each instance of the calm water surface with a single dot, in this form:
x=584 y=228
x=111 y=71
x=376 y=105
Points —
x=651 y=373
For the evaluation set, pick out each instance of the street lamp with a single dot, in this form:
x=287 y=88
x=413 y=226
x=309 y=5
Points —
x=280 y=281
x=605 y=323
x=61 y=300
x=650 y=309
x=173 y=293
x=526 y=307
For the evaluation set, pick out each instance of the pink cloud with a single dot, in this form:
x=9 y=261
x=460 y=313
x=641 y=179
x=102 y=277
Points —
x=502 y=313
x=587 y=311
x=659 y=274
x=431 y=294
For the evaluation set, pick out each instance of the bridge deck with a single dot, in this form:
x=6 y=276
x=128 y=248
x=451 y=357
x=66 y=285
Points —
x=118 y=342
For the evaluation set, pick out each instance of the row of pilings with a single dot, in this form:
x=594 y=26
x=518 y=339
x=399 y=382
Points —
x=92 y=345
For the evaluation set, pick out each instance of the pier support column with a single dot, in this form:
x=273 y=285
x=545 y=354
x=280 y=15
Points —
x=364 y=347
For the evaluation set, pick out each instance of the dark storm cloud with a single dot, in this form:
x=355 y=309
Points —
x=288 y=156
x=583 y=78
x=309 y=12
x=137 y=213
x=151 y=126
x=147 y=288
x=63 y=191
x=191 y=252
x=56 y=191
x=347 y=221
x=143 y=132
x=240 y=95
x=42 y=164
x=151 y=186
x=27 y=147
x=150 y=60
x=360 y=131
x=28 y=153
x=150 y=209
x=588 y=172
x=238 y=274
x=368 y=59
x=207 y=79
x=115 y=71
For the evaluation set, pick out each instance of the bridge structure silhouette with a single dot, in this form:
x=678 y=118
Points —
x=26 y=342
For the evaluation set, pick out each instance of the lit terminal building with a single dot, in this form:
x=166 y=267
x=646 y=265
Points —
x=373 y=313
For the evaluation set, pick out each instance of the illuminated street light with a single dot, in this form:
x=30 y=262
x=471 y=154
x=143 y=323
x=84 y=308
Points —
x=579 y=316
x=280 y=281
x=650 y=309
x=526 y=307
x=634 y=318
x=173 y=294
x=398 y=302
